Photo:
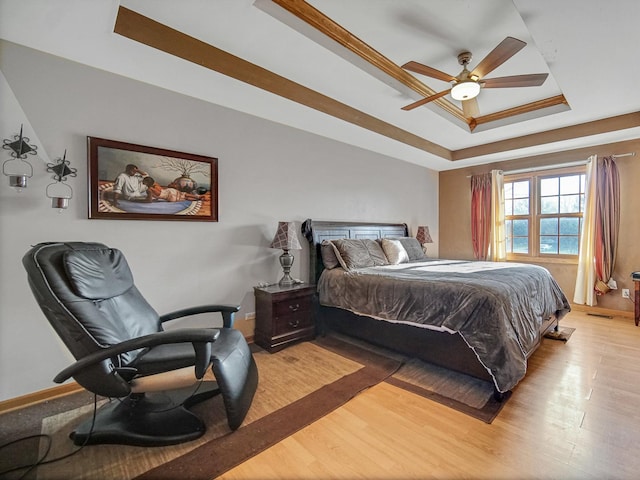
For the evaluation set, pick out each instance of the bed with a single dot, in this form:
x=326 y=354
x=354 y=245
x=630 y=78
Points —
x=480 y=318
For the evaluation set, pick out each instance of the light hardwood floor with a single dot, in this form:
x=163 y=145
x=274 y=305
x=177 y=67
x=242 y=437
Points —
x=575 y=415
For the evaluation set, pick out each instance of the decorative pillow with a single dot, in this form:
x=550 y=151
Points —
x=413 y=248
x=328 y=254
x=376 y=252
x=356 y=253
x=394 y=251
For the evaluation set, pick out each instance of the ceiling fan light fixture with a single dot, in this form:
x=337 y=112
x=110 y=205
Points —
x=465 y=90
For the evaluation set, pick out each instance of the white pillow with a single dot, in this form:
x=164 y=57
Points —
x=394 y=251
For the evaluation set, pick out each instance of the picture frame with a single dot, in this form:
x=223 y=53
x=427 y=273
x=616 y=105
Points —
x=164 y=185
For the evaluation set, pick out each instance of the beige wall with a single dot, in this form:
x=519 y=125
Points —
x=267 y=173
x=455 y=215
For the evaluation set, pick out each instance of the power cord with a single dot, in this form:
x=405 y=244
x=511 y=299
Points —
x=42 y=460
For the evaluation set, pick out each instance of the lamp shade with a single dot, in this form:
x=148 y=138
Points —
x=285 y=237
x=423 y=235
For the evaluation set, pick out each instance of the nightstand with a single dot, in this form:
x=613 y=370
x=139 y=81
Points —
x=284 y=315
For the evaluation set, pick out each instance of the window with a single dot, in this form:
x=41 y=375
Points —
x=543 y=212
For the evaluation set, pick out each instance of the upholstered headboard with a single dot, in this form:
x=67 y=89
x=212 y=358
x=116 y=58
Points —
x=315 y=232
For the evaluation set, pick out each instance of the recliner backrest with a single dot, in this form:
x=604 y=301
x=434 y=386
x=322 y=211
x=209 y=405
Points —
x=87 y=293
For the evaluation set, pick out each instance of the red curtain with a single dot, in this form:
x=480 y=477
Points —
x=607 y=222
x=481 y=215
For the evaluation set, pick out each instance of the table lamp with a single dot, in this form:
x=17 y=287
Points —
x=423 y=237
x=286 y=239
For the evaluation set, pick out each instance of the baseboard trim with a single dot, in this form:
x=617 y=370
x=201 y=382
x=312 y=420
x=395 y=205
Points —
x=602 y=311
x=39 y=397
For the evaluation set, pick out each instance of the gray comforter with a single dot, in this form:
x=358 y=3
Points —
x=497 y=307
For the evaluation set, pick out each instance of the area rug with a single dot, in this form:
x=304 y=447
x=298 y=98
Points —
x=298 y=386
x=563 y=334
x=461 y=392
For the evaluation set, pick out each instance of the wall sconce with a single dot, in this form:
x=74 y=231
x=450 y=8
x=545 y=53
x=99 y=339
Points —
x=17 y=168
x=286 y=239
x=423 y=237
x=59 y=192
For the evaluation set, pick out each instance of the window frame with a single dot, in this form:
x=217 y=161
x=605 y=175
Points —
x=535 y=207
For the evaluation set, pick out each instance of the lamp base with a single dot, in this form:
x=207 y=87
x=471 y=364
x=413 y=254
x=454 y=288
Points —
x=286 y=261
x=286 y=281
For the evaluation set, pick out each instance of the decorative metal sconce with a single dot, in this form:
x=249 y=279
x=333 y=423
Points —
x=59 y=192
x=17 y=168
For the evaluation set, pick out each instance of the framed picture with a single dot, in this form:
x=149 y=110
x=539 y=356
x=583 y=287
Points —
x=133 y=182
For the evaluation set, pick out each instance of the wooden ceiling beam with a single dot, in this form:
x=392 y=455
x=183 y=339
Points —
x=142 y=29
x=147 y=31
x=318 y=20
x=611 y=124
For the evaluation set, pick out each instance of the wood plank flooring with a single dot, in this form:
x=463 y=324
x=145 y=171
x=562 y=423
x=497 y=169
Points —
x=575 y=415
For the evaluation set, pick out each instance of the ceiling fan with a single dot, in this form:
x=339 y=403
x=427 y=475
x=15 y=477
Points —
x=467 y=84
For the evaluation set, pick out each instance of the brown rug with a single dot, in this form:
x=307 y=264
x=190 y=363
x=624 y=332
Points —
x=563 y=334
x=298 y=386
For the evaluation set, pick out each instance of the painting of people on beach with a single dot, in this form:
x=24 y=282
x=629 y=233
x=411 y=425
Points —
x=134 y=182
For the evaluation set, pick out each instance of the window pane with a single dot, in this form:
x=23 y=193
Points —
x=521 y=207
x=521 y=189
x=508 y=207
x=570 y=184
x=549 y=205
x=548 y=244
x=521 y=228
x=569 y=226
x=508 y=190
x=570 y=204
x=569 y=245
x=549 y=187
x=549 y=226
x=520 y=245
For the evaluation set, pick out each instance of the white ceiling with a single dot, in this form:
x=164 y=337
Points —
x=587 y=46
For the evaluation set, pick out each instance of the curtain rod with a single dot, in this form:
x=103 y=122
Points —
x=559 y=165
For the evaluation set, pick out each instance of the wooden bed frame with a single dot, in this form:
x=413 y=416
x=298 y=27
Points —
x=440 y=348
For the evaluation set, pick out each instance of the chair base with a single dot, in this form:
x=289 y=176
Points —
x=151 y=419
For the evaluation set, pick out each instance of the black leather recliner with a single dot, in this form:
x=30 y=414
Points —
x=87 y=293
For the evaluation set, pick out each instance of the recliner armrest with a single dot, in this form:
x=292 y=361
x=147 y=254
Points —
x=200 y=338
x=227 y=311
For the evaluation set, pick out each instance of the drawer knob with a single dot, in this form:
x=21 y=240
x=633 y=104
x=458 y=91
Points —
x=295 y=307
x=294 y=323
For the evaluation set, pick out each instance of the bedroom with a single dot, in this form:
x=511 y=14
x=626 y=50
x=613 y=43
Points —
x=269 y=171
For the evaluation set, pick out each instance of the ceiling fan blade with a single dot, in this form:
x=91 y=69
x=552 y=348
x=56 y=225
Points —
x=428 y=71
x=470 y=108
x=426 y=100
x=531 y=80
x=503 y=52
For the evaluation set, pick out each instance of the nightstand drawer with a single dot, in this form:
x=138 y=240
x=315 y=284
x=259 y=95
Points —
x=292 y=306
x=289 y=323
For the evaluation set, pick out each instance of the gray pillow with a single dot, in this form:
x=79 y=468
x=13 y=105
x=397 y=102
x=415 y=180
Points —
x=356 y=253
x=376 y=252
x=413 y=248
x=328 y=254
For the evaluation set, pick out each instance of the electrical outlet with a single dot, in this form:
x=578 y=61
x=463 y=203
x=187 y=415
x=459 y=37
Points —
x=250 y=316
x=625 y=293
